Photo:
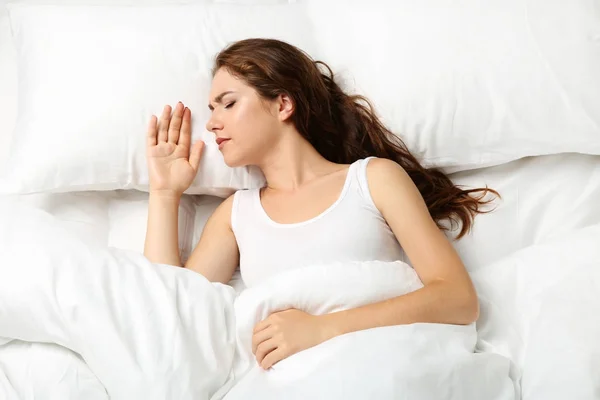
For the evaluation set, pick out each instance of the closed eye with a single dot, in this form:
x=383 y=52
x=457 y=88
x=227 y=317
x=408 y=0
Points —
x=230 y=105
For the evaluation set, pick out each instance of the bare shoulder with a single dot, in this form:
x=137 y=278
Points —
x=389 y=182
x=222 y=213
x=384 y=167
x=383 y=173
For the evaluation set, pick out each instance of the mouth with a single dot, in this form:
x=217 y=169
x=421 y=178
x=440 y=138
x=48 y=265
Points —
x=221 y=142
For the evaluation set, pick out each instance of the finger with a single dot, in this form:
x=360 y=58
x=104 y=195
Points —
x=262 y=325
x=264 y=349
x=185 y=134
x=163 y=124
x=196 y=154
x=260 y=337
x=272 y=358
x=152 y=132
x=175 y=123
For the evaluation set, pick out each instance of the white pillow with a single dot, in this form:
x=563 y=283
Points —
x=91 y=76
x=8 y=83
x=475 y=84
x=466 y=88
x=542 y=198
x=128 y=222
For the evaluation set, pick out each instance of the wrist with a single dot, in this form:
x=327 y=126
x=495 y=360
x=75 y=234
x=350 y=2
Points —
x=166 y=195
x=329 y=326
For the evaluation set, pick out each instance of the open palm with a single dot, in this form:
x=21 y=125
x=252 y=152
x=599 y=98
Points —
x=172 y=161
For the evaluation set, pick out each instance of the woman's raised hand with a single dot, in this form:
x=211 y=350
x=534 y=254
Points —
x=172 y=160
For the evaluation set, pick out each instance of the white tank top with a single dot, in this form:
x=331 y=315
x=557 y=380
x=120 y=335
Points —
x=351 y=229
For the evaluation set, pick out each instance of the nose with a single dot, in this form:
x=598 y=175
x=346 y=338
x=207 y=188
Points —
x=213 y=124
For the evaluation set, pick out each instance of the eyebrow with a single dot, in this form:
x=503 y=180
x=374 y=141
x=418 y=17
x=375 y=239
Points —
x=219 y=98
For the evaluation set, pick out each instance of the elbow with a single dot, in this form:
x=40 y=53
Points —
x=472 y=312
x=459 y=302
x=468 y=309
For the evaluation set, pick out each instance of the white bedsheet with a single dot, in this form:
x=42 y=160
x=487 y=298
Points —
x=34 y=371
x=155 y=332
x=540 y=308
x=542 y=198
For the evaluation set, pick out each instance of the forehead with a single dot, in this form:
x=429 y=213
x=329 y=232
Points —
x=224 y=81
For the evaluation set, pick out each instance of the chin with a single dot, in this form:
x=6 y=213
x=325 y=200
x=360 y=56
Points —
x=233 y=162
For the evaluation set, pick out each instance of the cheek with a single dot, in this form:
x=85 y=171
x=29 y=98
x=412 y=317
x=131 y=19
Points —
x=250 y=125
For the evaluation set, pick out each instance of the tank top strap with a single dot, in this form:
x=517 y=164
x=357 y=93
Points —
x=361 y=181
x=242 y=207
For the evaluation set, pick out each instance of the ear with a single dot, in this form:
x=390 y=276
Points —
x=285 y=107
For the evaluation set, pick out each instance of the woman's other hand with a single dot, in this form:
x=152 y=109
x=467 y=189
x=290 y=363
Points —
x=286 y=333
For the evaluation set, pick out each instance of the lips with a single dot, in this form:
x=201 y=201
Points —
x=220 y=141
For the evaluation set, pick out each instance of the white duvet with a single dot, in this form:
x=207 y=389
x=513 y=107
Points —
x=83 y=321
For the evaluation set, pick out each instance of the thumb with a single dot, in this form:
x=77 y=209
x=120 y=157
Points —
x=196 y=154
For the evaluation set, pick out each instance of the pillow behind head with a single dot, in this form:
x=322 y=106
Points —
x=90 y=77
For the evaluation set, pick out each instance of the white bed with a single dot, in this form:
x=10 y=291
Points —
x=535 y=259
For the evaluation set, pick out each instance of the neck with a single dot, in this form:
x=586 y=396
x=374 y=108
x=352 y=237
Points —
x=292 y=163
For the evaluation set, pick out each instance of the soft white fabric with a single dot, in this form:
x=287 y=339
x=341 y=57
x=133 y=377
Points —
x=8 y=55
x=155 y=331
x=466 y=87
x=8 y=85
x=118 y=219
x=141 y=2
x=84 y=214
x=542 y=198
x=159 y=55
x=350 y=229
x=146 y=331
x=30 y=371
x=420 y=361
x=128 y=222
x=540 y=307
x=469 y=84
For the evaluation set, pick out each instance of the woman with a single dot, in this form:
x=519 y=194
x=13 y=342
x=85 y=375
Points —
x=340 y=186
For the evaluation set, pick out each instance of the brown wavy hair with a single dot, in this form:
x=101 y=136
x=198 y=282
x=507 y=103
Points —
x=343 y=128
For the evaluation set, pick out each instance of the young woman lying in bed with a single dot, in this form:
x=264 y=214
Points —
x=340 y=187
